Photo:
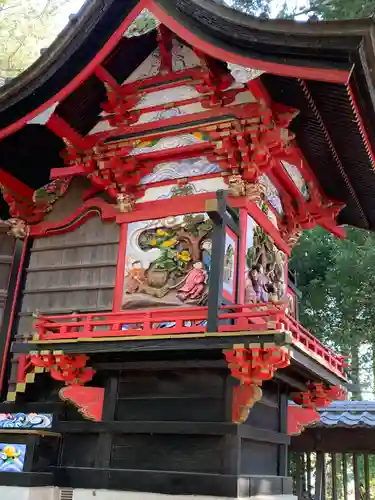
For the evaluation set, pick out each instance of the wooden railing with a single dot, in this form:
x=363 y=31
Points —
x=152 y=323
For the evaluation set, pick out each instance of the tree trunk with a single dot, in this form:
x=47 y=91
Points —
x=355 y=369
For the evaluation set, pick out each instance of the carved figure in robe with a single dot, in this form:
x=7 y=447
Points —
x=194 y=283
x=135 y=277
x=260 y=282
x=206 y=255
x=250 y=294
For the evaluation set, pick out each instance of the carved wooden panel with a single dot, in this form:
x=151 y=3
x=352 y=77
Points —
x=74 y=271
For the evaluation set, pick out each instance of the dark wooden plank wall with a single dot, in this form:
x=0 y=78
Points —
x=6 y=255
x=74 y=271
x=191 y=397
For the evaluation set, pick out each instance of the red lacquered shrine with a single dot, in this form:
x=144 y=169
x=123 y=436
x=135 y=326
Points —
x=158 y=164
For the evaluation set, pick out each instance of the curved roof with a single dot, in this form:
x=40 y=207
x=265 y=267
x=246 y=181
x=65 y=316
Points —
x=321 y=68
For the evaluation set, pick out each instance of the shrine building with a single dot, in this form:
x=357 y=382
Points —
x=158 y=163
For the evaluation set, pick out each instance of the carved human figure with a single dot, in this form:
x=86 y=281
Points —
x=206 y=255
x=135 y=277
x=272 y=293
x=194 y=283
x=260 y=282
x=250 y=294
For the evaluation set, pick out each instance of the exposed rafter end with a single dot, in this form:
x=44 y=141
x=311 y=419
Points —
x=62 y=129
x=13 y=185
x=108 y=80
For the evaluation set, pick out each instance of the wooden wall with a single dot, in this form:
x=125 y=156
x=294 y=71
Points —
x=70 y=272
x=6 y=255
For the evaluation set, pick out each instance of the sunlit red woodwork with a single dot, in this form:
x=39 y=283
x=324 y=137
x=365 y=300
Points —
x=299 y=418
x=244 y=396
x=138 y=324
x=319 y=395
x=88 y=400
x=71 y=370
x=252 y=366
x=304 y=412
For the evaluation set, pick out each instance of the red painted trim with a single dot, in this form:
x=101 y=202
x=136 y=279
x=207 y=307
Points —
x=144 y=323
x=89 y=208
x=186 y=122
x=17 y=187
x=287 y=182
x=62 y=129
x=120 y=269
x=82 y=76
x=361 y=126
x=242 y=256
x=321 y=74
x=232 y=297
x=195 y=203
x=159 y=82
x=106 y=77
x=259 y=91
x=182 y=180
x=11 y=319
x=299 y=418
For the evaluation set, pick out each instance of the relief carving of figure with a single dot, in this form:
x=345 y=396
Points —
x=236 y=186
x=136 y=276
x=125 y=202
x=194 y=283
x=255 y=192
x=171 y=260
x=265 y=279
x=18 y=228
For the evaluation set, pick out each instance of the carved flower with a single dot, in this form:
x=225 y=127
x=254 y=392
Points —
x=184 y=256
x=169 y=243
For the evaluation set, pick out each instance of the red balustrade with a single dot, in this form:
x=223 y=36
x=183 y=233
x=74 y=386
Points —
x=187 y=321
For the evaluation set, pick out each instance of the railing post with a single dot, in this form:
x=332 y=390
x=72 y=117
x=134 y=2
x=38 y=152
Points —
x=216 y=210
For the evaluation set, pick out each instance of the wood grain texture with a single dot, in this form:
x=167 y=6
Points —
x=74 y=271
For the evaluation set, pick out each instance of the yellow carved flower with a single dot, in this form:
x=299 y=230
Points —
x=198 y=135
x=161 y=232
x=184 y=256
x=153 y=242
x=169 y=243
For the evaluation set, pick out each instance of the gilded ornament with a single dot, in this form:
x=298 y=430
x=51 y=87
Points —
x=255 y=192
x=125 y=202
x=236 y=186
x=18 y=228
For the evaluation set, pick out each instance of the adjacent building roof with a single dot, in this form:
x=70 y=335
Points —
x=348 y=414
x=324 y=69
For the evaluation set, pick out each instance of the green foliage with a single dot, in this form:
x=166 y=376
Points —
x=26 y=27
x=323 y=9
x=336 y=279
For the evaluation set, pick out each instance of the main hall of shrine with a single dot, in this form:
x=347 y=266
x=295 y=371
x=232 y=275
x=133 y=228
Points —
x=158 y=163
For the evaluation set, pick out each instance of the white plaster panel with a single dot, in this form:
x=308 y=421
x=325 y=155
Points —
x=128 y=495
x=51 y=493
x=23 y=493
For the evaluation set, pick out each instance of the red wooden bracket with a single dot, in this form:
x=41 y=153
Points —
x=88 y=400
x=252 y=366
x=299 y=418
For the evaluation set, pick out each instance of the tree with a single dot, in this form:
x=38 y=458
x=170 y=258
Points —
x=26 y=27
x=336 y=279
x=322 y=9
